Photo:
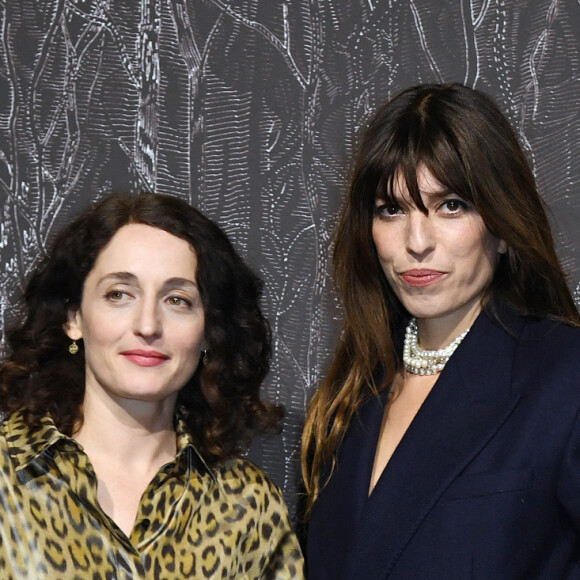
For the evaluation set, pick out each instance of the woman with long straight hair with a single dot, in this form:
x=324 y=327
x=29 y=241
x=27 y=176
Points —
x=444 y=441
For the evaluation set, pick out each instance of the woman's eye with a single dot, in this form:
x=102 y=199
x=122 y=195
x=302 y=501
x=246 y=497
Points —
x=178 y=301
x=116 y=295
x=453 y=206
x=388 y=210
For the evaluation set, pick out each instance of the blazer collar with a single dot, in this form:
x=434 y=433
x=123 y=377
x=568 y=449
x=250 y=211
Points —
x=468 y=404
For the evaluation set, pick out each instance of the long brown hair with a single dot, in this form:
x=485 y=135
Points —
x=463 y=139
x=221 y=402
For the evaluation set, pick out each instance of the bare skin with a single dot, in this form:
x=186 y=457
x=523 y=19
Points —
x=412 y=390
x=110 y=437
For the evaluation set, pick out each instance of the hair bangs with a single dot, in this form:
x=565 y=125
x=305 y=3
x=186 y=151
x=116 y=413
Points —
x=447 y=166
x=399 y=162
x=441 y=153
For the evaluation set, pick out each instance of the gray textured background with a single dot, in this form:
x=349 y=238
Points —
x=249 y=110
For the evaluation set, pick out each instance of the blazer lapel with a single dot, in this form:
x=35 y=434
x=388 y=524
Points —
x=468 y=404
x=338 y=509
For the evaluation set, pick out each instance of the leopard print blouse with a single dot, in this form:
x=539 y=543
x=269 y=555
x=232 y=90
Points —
x=193 y=522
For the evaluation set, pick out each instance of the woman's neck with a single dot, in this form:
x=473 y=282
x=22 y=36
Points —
x=127 y=444
x=439 y=332
x=116 y=431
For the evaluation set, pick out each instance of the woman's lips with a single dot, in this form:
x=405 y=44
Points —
x=421 y=277
x=145 y=358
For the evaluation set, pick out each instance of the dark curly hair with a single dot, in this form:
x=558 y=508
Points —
x=220 y=403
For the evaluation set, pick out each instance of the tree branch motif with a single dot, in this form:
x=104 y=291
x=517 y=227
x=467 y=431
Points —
x=147 y=118
x=423 y=40
x=537 y=57
x=105 y=22
x=282 y=47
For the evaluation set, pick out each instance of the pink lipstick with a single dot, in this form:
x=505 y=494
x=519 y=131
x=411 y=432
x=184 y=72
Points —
x=419 y=278
x=145 y=358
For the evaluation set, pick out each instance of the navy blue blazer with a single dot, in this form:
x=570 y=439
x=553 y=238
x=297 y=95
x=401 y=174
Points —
x=485 y=483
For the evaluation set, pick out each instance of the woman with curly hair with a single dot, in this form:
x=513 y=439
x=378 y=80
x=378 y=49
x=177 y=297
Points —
x=444 y=442
x=131 y=388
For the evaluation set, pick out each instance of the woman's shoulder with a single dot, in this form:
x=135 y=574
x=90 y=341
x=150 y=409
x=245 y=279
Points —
x=547 y=359
x=538 y=354
x=240 y=476
x=553 y=335
x=533 y=331
x=258 y=502
x=249 y=494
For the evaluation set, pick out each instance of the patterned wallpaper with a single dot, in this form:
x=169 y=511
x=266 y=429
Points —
x=249 y=109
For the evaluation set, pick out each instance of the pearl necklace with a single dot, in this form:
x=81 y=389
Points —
x=425 y=362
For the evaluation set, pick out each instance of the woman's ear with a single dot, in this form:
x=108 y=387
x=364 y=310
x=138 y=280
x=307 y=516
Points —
x=502 y=247
x=73 y=327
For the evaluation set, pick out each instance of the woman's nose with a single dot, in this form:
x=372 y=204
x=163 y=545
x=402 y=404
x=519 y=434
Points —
x=420 y=238
x=147 y=321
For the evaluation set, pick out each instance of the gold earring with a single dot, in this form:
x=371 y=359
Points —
x=205 y=358
x=73 y=347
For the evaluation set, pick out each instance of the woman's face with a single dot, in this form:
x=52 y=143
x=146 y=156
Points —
x=440 y=264
x=141 y=317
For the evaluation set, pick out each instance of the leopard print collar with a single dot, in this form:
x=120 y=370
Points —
x=26 y=444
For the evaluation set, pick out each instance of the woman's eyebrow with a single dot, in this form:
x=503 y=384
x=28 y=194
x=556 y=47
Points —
x=119 y=277
x=129 y=278
x=177 y=282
